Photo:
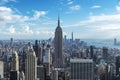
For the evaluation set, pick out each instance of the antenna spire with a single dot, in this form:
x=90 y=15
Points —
x=58 y=21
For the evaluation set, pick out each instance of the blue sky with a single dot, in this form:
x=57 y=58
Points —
x=37 y=19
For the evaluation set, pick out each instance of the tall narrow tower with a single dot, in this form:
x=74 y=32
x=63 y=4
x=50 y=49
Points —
x=72 y=36
x=115 y=41
x=31 y=65
x=58 y=46
x=14 y=73
x=15 y=62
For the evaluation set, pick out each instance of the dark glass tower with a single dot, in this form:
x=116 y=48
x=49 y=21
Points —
x=105 y=54
x=115 y=41
x=72 y=36
x=58 y=46
x=118 y=66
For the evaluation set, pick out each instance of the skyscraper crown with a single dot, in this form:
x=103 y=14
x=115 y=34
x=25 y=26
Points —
x=58 y=26
x=31 y=50
x=58 y=21
x=14 y=53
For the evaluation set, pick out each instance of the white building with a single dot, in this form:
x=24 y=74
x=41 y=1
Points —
x=15 y=61
x=31 y=65
x=1 y=69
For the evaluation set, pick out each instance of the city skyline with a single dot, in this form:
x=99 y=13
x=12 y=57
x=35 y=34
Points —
x=91 y=19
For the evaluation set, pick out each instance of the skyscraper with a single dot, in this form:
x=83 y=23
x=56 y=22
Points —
x=91 y=52
x=105 y=54
x=115 y=41
x=118 y=66
x=11 y=42
x=31 y=65
x=15 y=61
x=14 y=73
x=72 y=36
x=81 y=69
x=54 y=74
x=58 y=46
x=1 y=69
x=36 y=48
x=40 y=72
x=22 y=76
x=46 y=60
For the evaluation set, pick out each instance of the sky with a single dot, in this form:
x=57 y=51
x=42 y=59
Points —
x=37 y=19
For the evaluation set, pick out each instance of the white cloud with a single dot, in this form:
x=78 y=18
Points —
x=69 y=2
x=27 y=30
x=103 y=20
x=75 y=8
x=5 y=9
x=118 y=8
x=21 y=28
x=38 y=14
x=6 y=1
x=11 y=30
x=9 y=0
x=96 y=6
x=119 y=3
x=101 y=26
x=8 y=15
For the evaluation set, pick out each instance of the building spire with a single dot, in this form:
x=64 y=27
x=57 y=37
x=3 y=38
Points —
x=58 y=21
x=72 y=36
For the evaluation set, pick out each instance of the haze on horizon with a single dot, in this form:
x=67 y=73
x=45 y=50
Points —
x=87 y=19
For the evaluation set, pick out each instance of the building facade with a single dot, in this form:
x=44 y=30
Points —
x=31 y=65
x=40 y=72
x=58 y=46
x=81 y=69
x=46 y=60
x=1 y=69
x=118 y=66
x=15 y=61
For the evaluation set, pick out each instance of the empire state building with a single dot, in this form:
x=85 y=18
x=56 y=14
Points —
x=58 y=46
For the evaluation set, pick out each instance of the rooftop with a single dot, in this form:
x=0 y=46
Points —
x=81 y=60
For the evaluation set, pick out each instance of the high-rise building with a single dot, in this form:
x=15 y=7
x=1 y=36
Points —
x=46 y=57
x=11 y=42
x=81 y=69
x=65 y=38
x=72 y=36
x=115 y=41
x=58 y=46
x=14 y=75
x=118 y=66
x=40 y=72
x=54 y=74
x=46 y=60
x=31 y=65
x=15 y=61
x=91 y=52
x=22 y=76
x=105 y=54
x=37 y=49
x=1 y=53
x=1 y=69
x=109 y=72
